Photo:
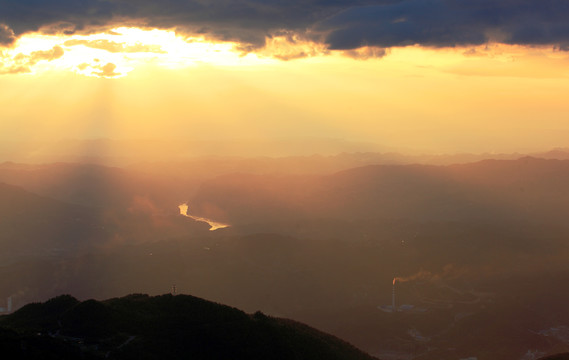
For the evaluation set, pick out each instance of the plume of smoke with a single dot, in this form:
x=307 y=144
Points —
x=449 y=271
x=421 y=275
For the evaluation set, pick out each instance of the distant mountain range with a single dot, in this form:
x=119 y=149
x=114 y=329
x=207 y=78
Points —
x=160 y=327
x=69 y=206
x=127 y=152
x=487 y=190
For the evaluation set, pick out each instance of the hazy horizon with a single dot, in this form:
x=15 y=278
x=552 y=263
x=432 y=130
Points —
x=103 y=150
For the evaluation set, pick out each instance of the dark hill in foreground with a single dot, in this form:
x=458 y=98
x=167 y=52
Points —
x=161 y=327
x=557 y=357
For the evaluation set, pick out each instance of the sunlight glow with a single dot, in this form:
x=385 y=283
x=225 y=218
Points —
x=115 y=53
x=413 y=96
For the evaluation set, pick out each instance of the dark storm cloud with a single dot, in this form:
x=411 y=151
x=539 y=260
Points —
x=6 y=35
x=248 y=21
x=342 y=24
x=71 y=15
x=449 y=23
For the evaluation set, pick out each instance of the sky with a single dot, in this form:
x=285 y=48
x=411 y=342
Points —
x=429 y=75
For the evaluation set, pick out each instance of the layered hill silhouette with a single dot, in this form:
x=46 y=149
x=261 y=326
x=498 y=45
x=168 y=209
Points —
x=49 y=223
x=34 y=224
x=88 y=185
x=160 y=327
x=484 y=191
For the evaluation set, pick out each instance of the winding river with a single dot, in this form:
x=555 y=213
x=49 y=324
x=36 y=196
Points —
x=214 y=225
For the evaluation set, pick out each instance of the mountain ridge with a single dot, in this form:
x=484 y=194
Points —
x=166 y=326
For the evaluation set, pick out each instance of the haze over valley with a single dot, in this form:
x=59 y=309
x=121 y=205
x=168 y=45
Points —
x=477 y=244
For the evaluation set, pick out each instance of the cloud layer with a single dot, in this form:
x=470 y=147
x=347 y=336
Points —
x=115 y=47
x=7 y=36
x=442 y=23
x=22 y=63
x=339 y=24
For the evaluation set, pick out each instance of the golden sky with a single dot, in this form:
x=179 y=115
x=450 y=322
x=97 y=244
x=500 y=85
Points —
x=144 y=82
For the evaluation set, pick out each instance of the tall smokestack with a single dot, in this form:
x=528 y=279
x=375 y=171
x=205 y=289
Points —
x=9 y=304
x=393 y=297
